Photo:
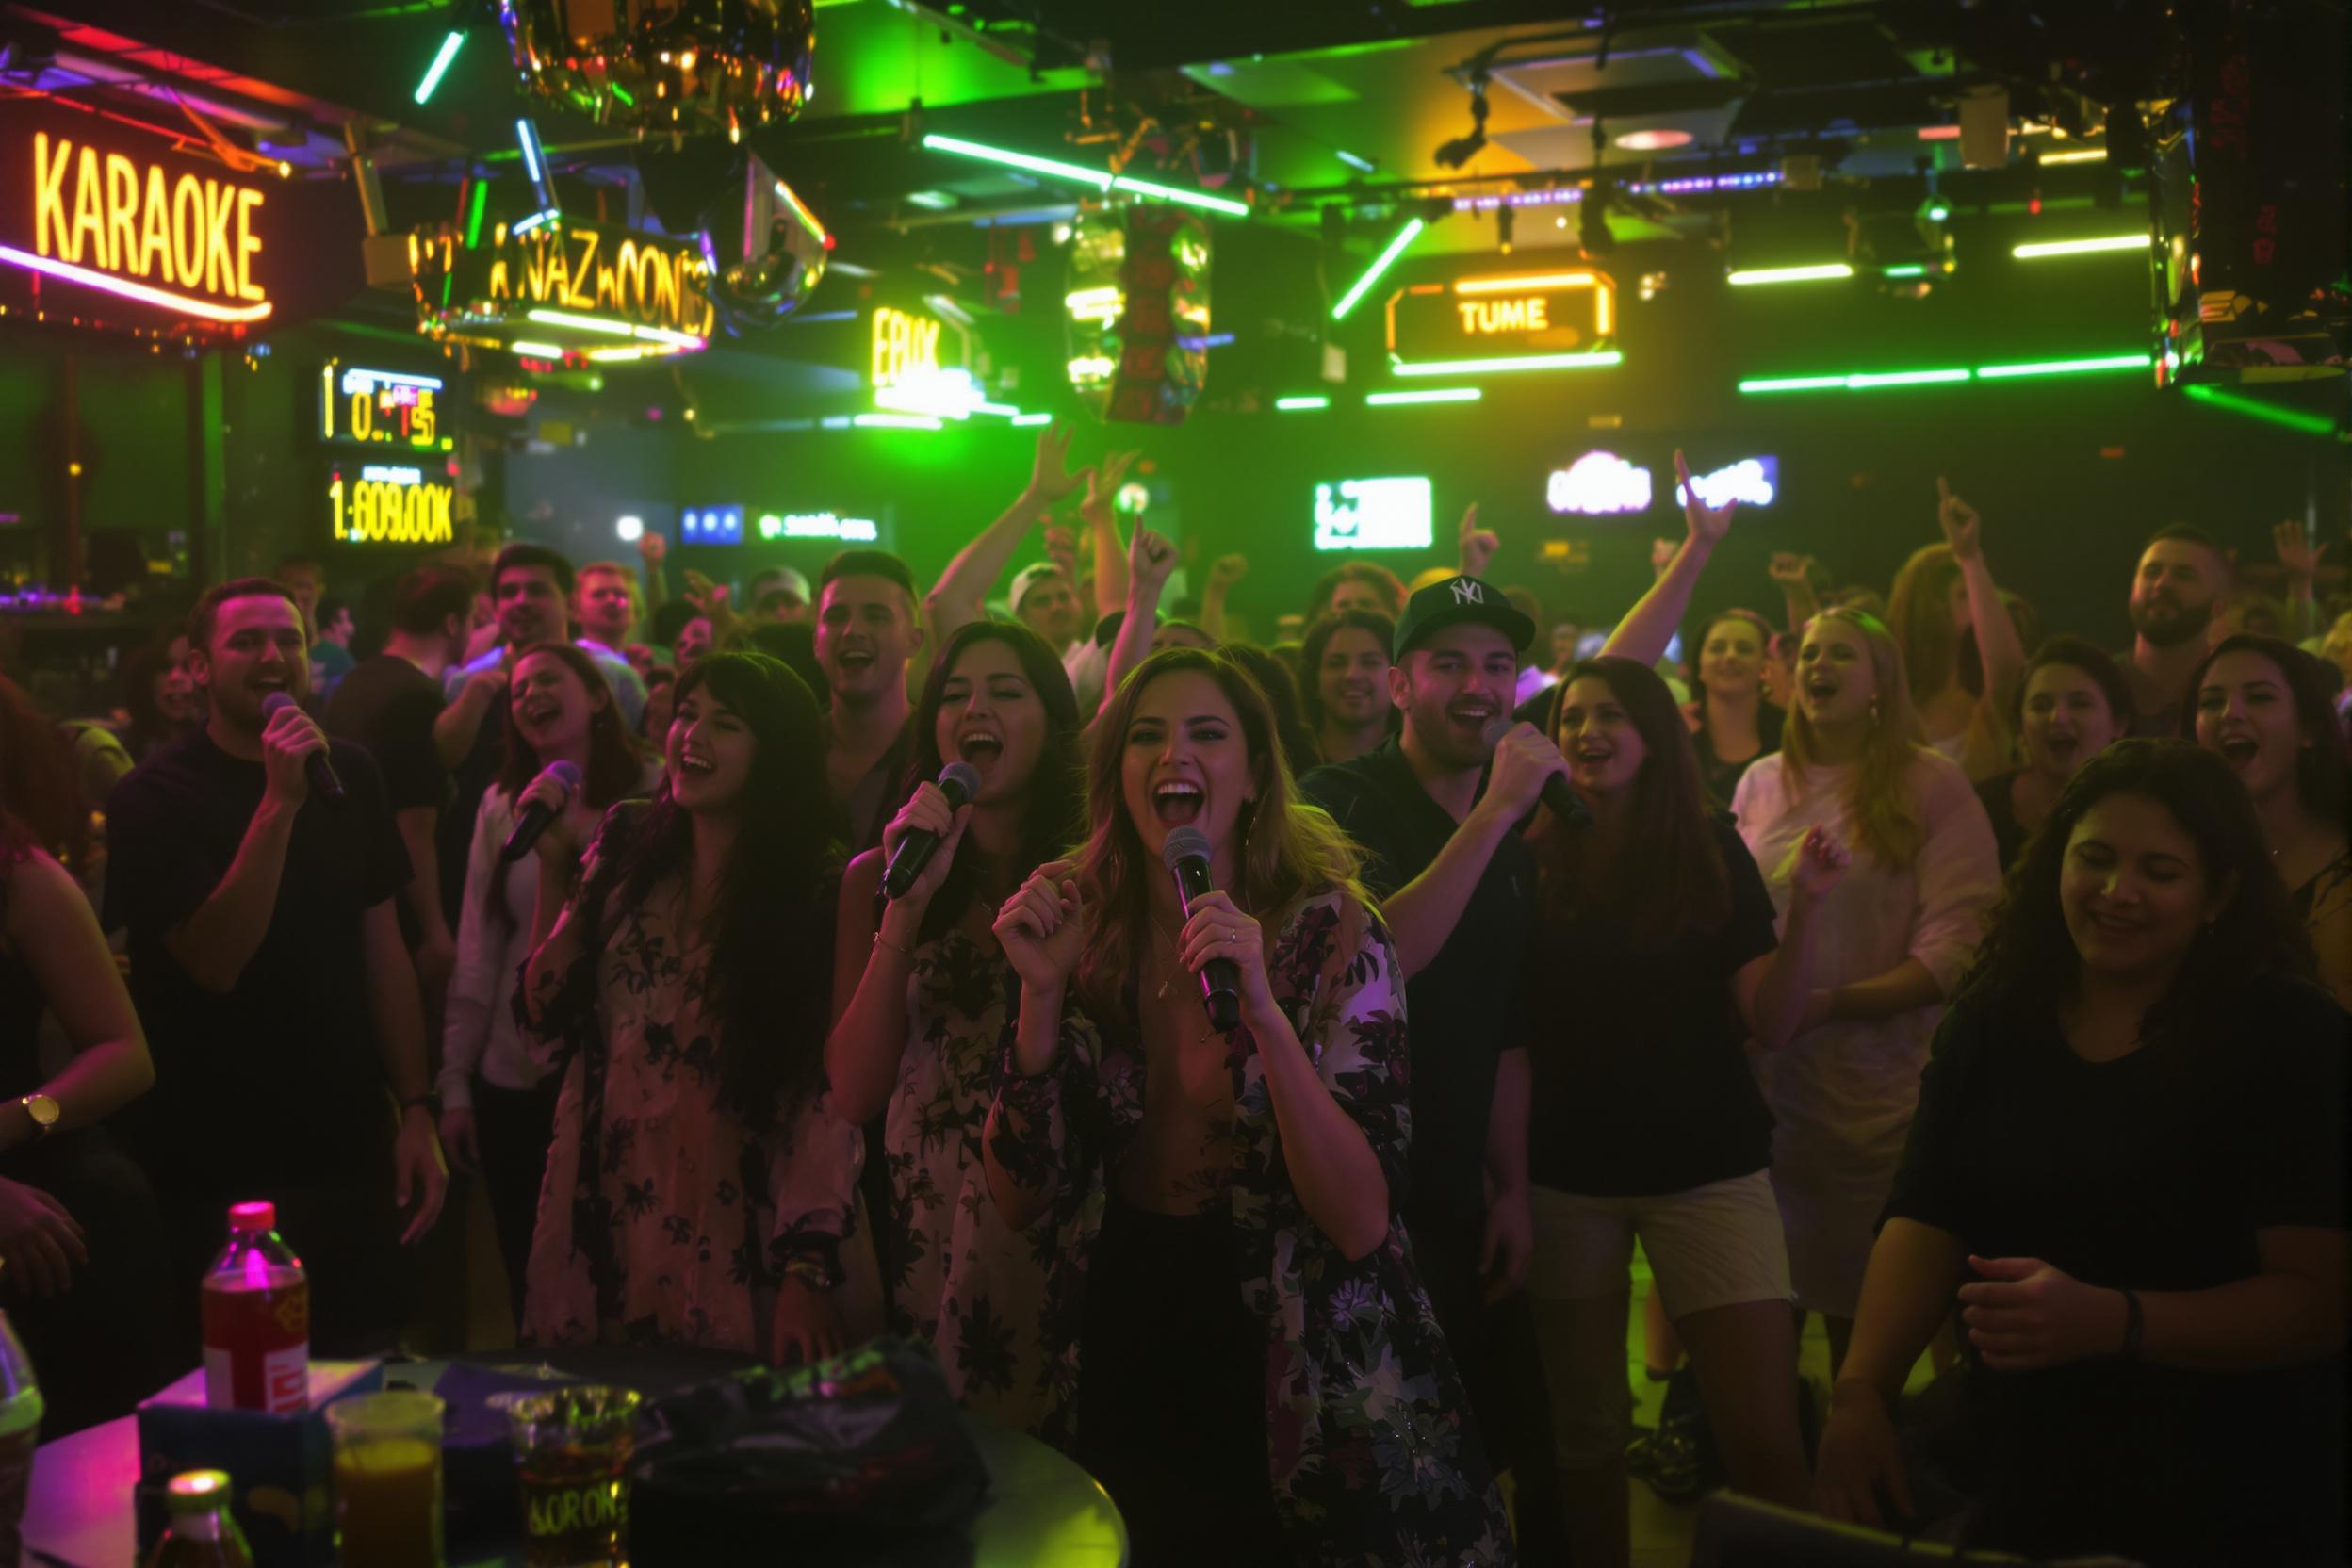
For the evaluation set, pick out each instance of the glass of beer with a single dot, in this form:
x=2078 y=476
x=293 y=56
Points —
x=388 y=1479
x=572 y=1447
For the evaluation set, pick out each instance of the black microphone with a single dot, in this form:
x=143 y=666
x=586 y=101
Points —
x=1565 y=803
x=538 y=814
x=322 y=780
x=1187 y=852
x=959 y=783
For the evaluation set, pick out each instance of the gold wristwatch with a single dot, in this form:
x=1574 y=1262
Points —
x=43 y=1109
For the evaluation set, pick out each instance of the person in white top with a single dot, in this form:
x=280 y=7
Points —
x=496 y=1113
x=1891 y=940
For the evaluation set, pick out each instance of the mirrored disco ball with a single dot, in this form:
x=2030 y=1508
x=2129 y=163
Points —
x=766 y=251
x=667 y=65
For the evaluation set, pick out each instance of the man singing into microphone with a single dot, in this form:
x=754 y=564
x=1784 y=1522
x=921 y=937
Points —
x=1439 y=828
x=267 y=966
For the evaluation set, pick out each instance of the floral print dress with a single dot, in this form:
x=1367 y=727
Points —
x=1371 y=1451
x=962 y=1280
x=661 y=1219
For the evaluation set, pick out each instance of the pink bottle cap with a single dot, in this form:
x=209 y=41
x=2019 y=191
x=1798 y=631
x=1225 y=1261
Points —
x=253 y=1217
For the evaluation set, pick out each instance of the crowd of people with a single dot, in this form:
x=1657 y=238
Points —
x=1879 y=960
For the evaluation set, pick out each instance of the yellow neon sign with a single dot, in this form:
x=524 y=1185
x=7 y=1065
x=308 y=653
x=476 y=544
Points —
x=1483 y=316
x=1522 y=282
x=111 y=222
x=391 y=505
x=905 y=347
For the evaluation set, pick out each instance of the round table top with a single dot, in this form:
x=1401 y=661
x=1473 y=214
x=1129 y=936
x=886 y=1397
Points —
x=1042 y=1511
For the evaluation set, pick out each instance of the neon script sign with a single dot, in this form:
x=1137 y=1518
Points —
x=906 y=349
x=386 y=504
x=1601 y=483
x=1531 y=320
x=126 y=225
x=559 y=279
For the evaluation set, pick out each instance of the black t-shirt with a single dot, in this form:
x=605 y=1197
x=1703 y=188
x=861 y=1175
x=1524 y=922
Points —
x=389 y=704
x=279 y=1081
x=1722 y=778
x=1642 y=1084
x=2153 y=1172
x=1461 y=1010
x=2009 y=834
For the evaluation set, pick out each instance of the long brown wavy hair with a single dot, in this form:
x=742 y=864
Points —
x=41 y=794
x=1660 y=877
x=1290 y=850
x=1886 y=815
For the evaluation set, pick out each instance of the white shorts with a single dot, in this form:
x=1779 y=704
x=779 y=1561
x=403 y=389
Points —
x=1715 y=1245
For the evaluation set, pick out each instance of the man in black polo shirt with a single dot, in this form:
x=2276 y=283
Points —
x=1436 y=809
x=267 y=966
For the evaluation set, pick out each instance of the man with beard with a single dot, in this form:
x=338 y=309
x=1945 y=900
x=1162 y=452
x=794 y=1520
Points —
x=1436 y=809
x=867 y=630
x=267 y=966
x=2184 y=576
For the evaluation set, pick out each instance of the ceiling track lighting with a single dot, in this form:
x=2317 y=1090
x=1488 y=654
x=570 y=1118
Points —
x=1454 y=153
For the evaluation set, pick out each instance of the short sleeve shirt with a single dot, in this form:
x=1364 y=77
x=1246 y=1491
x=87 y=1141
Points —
x=1461 y=1009
x=275 y=1082
x=389 y=704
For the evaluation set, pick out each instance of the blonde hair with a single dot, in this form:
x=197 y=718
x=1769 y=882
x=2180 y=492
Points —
x=1919 y=613
x=1887 y=814
x=1290 y=850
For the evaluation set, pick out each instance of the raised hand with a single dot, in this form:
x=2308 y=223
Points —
x=1042 y=926
x=926 y=811
x=1226 y=570
x=652 y=547
x=1217 y=928
x=1958 y=520
x=1150 y=559
x=1050 y=478
x=2295 y=551
x=1478 y=544
x=1707 y=524
x=1061 y=548
x=1820 y=861
x=287 y=742
x=1790 y=570
x=1525 y=760
x=1102 y=483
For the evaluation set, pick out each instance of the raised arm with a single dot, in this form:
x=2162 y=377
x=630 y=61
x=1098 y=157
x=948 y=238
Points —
x=1475 y=547
x=460 y=721
x=961 y=593
x=1422 y=914
x=651 y=548
x=2299 y=558
x=1224 y=572
x=1650 y=624
x=216 y=943
x=1149 y=560
x=1100 y=513
x=1997 y=644
x=1794 y=574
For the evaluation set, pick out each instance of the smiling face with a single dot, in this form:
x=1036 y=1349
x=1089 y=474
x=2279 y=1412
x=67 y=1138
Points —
x=1605 y=750
x=1186 y=760
x=1050 y=609
x=694 y=641
x=1835 y=684
x=1351 y=679
x=709 y=751
x=176 y=694
x=865 y=634
x=1731 y=660
x=1450 y=686
x=991 y=718
x=255 y=647
x=531 y=606
x=607 y=611
x=2068 y=721
x=1355 y=593
x=2133 y=887
x=2245 y=711
x=2173 y=595
x=552 y=707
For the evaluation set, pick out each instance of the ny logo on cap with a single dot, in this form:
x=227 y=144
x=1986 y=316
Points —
x=1468 y=590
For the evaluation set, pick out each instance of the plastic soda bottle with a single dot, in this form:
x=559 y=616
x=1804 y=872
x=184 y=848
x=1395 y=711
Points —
x=20 y=1433
x=203 y=1533
x=256 y=1320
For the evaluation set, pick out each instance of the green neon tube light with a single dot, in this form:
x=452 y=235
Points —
x=440 y=66
x=895 y=421
x=1904 y=378
x=1056 y=168
x=615 y=329
x=1598 y=359
x=537 y=350
x=2254 y=408
x=1026 y=419
x=2080 y=247
x=2065 y=366
x=473 y=214
x=1795 y=383
x=1380 y=263
x=1295 y=405
x=1913 y=270
x=1225 y=204
x=1790 y=274
x=1430 y=395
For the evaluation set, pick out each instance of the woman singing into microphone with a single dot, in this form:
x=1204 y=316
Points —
x=921 y=994
x=1258 y=1376
x=497 y=1112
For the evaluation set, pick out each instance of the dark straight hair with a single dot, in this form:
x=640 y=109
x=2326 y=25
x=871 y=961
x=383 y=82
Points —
x=2075 y=653
x=1318 y=638
x=2319 y=766
x=1054 y=797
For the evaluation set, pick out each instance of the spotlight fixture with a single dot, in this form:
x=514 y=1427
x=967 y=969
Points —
x=1592 y=236
x=1454 y=153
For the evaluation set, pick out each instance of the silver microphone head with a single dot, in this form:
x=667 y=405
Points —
x=966 y=779
x=565 y=774
x=1183 y=844
x=276 y=700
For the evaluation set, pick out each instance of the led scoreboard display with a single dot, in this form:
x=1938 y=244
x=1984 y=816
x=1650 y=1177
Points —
x=381 y=408
x=383 y=503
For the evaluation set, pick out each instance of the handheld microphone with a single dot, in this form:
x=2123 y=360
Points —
x=959 y=783
x=322 y=780
x=1565 y=802
x=538 y=814
x=1187 y=852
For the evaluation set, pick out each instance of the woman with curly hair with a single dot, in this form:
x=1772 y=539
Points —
x=699 y=1188
x=1250 y=1364
x=1890 y=941
x=2128 y=1167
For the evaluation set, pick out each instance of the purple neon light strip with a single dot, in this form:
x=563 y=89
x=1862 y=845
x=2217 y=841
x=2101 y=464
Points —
x=1564 y=195
x=130 y=290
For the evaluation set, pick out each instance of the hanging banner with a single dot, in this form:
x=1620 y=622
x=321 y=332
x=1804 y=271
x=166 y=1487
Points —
x=595 y=289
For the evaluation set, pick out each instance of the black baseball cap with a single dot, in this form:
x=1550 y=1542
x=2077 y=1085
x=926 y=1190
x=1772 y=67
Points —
x=1455 y=600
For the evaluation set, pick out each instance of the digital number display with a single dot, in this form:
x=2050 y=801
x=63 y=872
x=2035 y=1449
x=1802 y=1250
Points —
x=382 y=504
x=381 y=408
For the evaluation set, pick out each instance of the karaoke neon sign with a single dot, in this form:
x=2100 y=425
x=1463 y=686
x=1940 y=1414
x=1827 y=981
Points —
x=128 y=226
